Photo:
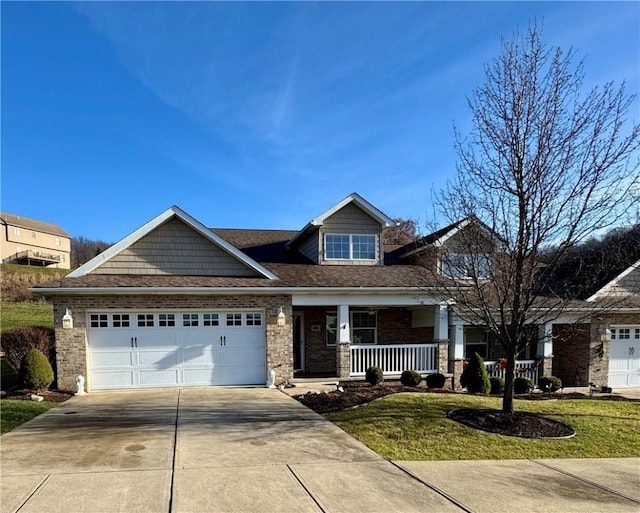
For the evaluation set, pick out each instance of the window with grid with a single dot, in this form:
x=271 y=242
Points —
x=234 y=319
x=465 y=266
x=145 y=320
x=364 y=327
x=210 y=319
x=99 y=321
x=254 y=319
x=166 y=320
x=350 y=247
x=120 y=320
x=190 y=320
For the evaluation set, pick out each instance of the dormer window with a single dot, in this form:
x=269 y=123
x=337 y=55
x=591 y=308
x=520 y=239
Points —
x=461 y=265
x=350 y=247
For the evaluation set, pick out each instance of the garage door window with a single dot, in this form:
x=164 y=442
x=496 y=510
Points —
x=189 y=320
x=254 y=319
x=234 y=319
x=145 y=320
x=166 y=320
x=120 y=320
x=99 y=321
x=625 y=333
x=210 y=319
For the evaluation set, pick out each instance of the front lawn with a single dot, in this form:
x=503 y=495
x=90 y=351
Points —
x=15 y=413
x=413 y=426
x=25 y=313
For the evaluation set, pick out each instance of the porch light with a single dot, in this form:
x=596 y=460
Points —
x=282 y=318
x=67 y=320
x=605 y=334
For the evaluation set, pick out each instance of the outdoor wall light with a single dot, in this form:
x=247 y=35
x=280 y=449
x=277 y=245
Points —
x=605 y=334
x=282 y=318
x=67 y=320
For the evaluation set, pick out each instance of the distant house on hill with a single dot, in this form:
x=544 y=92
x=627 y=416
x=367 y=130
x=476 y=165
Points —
x=30 y=242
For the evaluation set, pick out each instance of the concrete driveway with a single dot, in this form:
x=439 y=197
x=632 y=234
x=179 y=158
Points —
x=258 y=450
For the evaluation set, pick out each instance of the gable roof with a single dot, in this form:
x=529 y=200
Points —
x=178 y=213
x=32 y=224
x=609 y=286
x=439 y=237
x=357 y=200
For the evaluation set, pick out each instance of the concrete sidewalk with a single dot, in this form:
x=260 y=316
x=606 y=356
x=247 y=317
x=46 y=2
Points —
x=258 y=450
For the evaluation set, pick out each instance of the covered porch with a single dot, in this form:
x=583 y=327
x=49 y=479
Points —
x=343 y=336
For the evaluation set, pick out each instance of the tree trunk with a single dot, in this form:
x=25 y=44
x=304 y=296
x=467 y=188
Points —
x=507 y=398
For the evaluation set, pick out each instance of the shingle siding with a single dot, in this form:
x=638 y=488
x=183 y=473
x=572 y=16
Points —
x=311 y=248
x=175 y=249
x=351 y=220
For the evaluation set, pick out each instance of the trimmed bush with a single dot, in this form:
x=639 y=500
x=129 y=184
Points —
x=374 y=375
x=497 y=385
x=549 y=383
x=36 y=370
x=522 y=385
x=410 y=378
x=17 y=342
x=475 y=377
x=436 y=380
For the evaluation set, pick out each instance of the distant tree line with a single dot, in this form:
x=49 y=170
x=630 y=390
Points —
x=589 y=266
x=83 y=250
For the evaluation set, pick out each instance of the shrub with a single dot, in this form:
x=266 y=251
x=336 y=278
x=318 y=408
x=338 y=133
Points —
x=17 y=342
x=549 y=383
x=374 y=375
x=410 y=378
x=8 y=378
x=474 y=377
x=522 y=385
x=36 y=370
x=497 y=385
x=436 y=380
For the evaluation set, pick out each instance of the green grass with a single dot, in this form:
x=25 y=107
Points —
x=15 y=413
x=33 y=269
x=414 y=427
x=15 y=315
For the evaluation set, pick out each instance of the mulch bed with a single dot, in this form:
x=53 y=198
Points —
x=521 y=424
x=54 y=396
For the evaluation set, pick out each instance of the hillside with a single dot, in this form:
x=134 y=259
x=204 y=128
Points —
x=17 y=279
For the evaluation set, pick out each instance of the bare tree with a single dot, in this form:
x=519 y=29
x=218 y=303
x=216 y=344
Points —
x=404 y=232
x=543 y=166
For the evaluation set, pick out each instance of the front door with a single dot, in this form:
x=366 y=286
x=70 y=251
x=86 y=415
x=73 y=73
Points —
x=298 y=342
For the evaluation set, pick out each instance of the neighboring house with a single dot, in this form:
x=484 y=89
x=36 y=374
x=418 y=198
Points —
x=178 y=304
x=30 y=242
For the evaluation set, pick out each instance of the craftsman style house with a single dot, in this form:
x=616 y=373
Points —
x=178 y=304
x=30 y=242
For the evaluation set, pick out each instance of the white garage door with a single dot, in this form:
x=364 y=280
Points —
x=624 y=357
x=144 y=349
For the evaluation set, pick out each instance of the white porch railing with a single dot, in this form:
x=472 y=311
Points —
x=395 y=358
x=524 y=369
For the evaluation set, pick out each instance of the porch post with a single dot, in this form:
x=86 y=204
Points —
x=544 y=351
x=343 y=345
x=456 y=351
x=441 y=336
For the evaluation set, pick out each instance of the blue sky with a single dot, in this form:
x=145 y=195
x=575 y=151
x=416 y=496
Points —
x=258 y=115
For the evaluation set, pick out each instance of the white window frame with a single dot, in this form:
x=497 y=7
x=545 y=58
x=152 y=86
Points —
x=57 y=241
x=351 y=236
x=484 y=342
x=329 y=330
x=17 y=232
x=464 y=262
x=374 y=328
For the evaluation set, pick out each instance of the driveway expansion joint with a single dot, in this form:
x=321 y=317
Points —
x=175 y=446
x=33 y=493
x=440 y=492
x=307 y=491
